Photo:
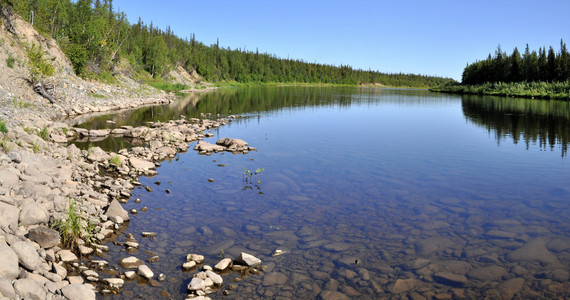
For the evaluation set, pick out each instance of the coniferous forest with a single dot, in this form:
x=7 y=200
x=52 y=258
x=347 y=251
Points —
x=99 y=39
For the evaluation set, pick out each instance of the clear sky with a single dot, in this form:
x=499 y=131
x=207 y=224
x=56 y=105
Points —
x=431 y=37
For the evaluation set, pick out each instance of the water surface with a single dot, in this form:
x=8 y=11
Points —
x=371 y=192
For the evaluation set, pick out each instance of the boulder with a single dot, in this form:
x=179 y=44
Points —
x=29 y=289
x=116 y=210
x=248 y=260
x=196 y=284
x=140 y=164
x=44 y=236
x=216 y=279
x=27 y=255
x=15 y=156
x=202 y=146
x=9 y=262
x=32 y=214
x=97 y=154
x=145 y=271
x=66 y=256
x=6 y=288
x=9 y=215
x=78 y=291
x=534 y=250
x=130 y=262
x=223 y=264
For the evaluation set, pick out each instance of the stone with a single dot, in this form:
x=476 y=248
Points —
x=223 y=264
x=84 y=250
x=32 y=214
x=216 y=279
x=27 y=255
x=44 y=236
x=202 y=146
x=96 y=154
x=66 y=256
x=15 y=156
x=450 y=279
x=116 y=210
x=333 y=295
x=6 y=288
x=499 y=234
x=147 y=234
x=233 y=144
x=337 y=247
x=491 y=273
x=511 y=287
x=196 y=284
x=195 y=257
x=78 y=292
x=161 y=277
x=429 y=246
x=416 y=264
x=130 y=275
x=534 y=250
x=114 y=283
x=29 y=289
x=248 y=260
x=9 y=177
x=140 y=164
x=274 y=278
x=60 y=270
x=145 y=271
x=130 y=262
x=8 y=215
x=188 y=265
x=403 y=285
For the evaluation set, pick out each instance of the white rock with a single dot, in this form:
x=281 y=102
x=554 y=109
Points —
x=145 y=271
x=27 y=255
x=216 y=279
x=188 y=265
x=248 y=260
x=130 y=275
x=223 y=264
x=66 y=256
x=196 y=284
x=114 y=283
x=78 y=291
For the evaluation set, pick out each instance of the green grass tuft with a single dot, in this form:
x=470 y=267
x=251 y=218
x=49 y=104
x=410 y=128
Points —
x=73 y=227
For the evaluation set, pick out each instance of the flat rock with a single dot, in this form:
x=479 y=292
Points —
x=44 y=236
x=9 y=262
x=429 y=246
x=29 y=289
x=274 y=278
x=202 y=146
x=403 y=285
x=78 y=292
x=491 y=273
x=66 y=256
x=196 y=284
x=216 y=279
x=8 y=215
x=116 y=210
x=511 y=287
x=6 y=288
x=416 y=264
x=534 y=250
x=130 y=262
x=140 y=164
x=223 y=264
x=248 y=260
x=114 y=283
x=27 y=255
x=32 y=214
x=337 y=247
x=96 y=154
x=333 y=295
x=450 y=279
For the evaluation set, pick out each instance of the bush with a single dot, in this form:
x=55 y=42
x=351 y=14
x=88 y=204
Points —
x=39 y=67
x=10 y=61
x=73 y=227
x=3 y=127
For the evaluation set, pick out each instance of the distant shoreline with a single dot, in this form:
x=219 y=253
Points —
x=529 y=90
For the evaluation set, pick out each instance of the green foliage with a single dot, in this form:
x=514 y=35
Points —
x=252 y=179
x=3 y=127
x=44 y=133
x=36 y=147
x=539 y=90
x=116 y=161
x=6 y=145
x=78 y=56
x=167 y=86
x=73 y=227
x=10 y=61
x=38 y=66
x=19 y=103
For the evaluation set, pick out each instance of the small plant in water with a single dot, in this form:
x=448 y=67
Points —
x=73 y=227
x=221 y=255
x=252 y=179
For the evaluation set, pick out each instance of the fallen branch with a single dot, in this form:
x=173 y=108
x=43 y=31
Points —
x=39 y=88
x=7 y=16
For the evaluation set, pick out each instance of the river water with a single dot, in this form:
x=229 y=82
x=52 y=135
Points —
x=371 y=193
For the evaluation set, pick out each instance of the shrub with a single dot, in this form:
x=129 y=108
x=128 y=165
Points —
x=3 y=127
x=73 y=227
x=10 y=61
x=39 y=67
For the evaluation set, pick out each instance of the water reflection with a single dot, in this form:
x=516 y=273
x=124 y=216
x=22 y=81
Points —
x=542 y=122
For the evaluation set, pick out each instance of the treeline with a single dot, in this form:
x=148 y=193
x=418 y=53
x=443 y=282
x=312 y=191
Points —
x=98 y=40
x=549 y=66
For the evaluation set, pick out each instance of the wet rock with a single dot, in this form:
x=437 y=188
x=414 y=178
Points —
x=29 y=289
x=233 y=144
x=337 y=247
x=223 y=264
x=130 y=275
x=416 y=264
x=511 y=287
x=499 y=234
x=27 y=255
x=8 y=262
x=78 y=291
x=130 y=262
x=147 y=234
x=404 y=285
x=116 y=210
x=216 y=248
x=188 y=265
x=333 y=295
x=450 y=279
x=492 y=273
x=429 y=246
x=196 y=284
x=145 y=271
x=33 y=214
x=533 y=250
x=559 y=245
x=274 y=278
x=161 y=277
x=84 y=250
x=248 y=260
x=202 y=146
x=140 y=164
x=44 y=236
x=114 y=283
x=195 y=258
x=216 y=279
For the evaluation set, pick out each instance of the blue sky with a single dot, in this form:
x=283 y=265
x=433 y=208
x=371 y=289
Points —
x=436 y=37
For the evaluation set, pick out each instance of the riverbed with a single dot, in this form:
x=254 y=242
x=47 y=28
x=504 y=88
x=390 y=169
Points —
x=367 y=192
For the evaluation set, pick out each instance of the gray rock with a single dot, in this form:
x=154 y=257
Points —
x=216 y=279
x=511 y=287
x=195 y=257
x=9 y=262
x=145 y=271
x=29 y=289
x=274 y=278
x=78 y=292
x=140 y=164
x=66 y=256
x=534 y=250
x=15 y=156
x=491 y=273
x=6 y=288
x=33 y=214
x=196 y=284
x=44 y=236
x=116 y=210
x=9 y=215
x=130 y=262
x=450 y=279
x=9 y=177
x=248 y=260
x=223 y=264
x=114 y=283
x=27 y=255
x=97 y=154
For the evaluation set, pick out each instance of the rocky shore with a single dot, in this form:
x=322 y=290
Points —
x=43 y=182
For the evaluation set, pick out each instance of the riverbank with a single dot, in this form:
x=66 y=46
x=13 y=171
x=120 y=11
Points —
x=531 y=90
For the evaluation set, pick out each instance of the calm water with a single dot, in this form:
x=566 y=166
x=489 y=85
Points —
x=371 y=192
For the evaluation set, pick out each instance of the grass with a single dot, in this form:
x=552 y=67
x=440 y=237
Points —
x=36 y=147
x=20 y=104
x=73 y=227
x=10 y=61
x=115 y=160
x=167 y=86
x=44 y=133
x=6 y=145
x=538 y=90
x=3 y=127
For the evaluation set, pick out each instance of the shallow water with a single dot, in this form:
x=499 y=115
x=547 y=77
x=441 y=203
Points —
x=371 y=192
